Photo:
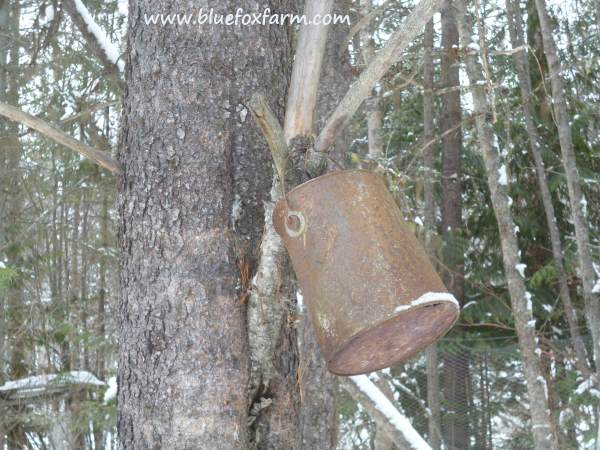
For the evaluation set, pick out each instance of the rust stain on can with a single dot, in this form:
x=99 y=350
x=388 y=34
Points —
x=372 y=294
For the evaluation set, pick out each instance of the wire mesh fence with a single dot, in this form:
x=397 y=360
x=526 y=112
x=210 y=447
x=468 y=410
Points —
x=482 y=398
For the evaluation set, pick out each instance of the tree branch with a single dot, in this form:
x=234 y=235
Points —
x=385 y=414
x=48 y=130
x=271 y=130
x=385 y=58
x=304 y=85
x=99 y=46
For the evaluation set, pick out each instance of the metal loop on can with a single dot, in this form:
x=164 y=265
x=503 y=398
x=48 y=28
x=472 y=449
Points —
x=297 y=215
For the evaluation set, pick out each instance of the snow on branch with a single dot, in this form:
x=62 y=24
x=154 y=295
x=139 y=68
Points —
x=38 y=385
x=96 y=39
x=383 y=411
x=109 y=48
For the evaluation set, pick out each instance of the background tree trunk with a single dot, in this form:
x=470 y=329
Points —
x=196 y=173
x=576 y=198
x=456 y=377
x=515 y=29
x=521 y=301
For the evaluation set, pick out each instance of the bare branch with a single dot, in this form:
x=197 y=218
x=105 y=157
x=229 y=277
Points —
x=304 y=85
x=384 y=413
x=385 y=58
x=271 y=129
x=48 y=130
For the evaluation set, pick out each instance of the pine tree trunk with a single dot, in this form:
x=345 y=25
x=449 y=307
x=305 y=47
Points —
x=576 y=199
x=196 y=174
x=13 y=308
x=522 y=67
x=455 y=366
x=520 y=299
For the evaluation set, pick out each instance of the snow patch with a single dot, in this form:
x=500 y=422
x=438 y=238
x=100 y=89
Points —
x=429 y=297
x=596 y=288
x=528 y=297
x=300 y=301
x=39 y=383
x=474 y=46
x=111 y=392
x=49 y=13
x=418 y=221
x=521 y=269
x=502 y=176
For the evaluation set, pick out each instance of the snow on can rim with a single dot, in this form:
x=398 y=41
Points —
x=429 y=297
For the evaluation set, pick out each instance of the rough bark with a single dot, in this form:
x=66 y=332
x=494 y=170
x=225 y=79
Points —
x=541 y=425
x=515 y=29
x=195 y=175
x=576 y=199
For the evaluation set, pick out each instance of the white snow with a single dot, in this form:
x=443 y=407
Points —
x=123 y=7
x=502 y=176
x=472 y=302
x=236 y=210
x=418 y=221
x=429 y=297
x=39 y=383
x=386 y=407
x=49 y=13
x=585 y=386
x=528 y=297
x=510 y=201
x=547 y=308
x=474 y=46
x=531 y=323
x=111 y=392
x=521 y=268
x=583 y=203
x=111 y=50
x=596 y=288
x=300 y=300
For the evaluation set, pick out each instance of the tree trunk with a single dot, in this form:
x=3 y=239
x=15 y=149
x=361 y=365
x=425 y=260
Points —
x=522 y=67
x=520 y=299
x=195 y=176
x=13 y=310
x=576 y=198
x=455 y=380
x=433 y=388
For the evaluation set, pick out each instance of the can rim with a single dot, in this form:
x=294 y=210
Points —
x=335 y=173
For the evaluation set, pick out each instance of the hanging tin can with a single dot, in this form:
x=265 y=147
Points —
x=372 y=294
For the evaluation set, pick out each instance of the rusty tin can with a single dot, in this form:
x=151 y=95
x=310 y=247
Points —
x=372 y=294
